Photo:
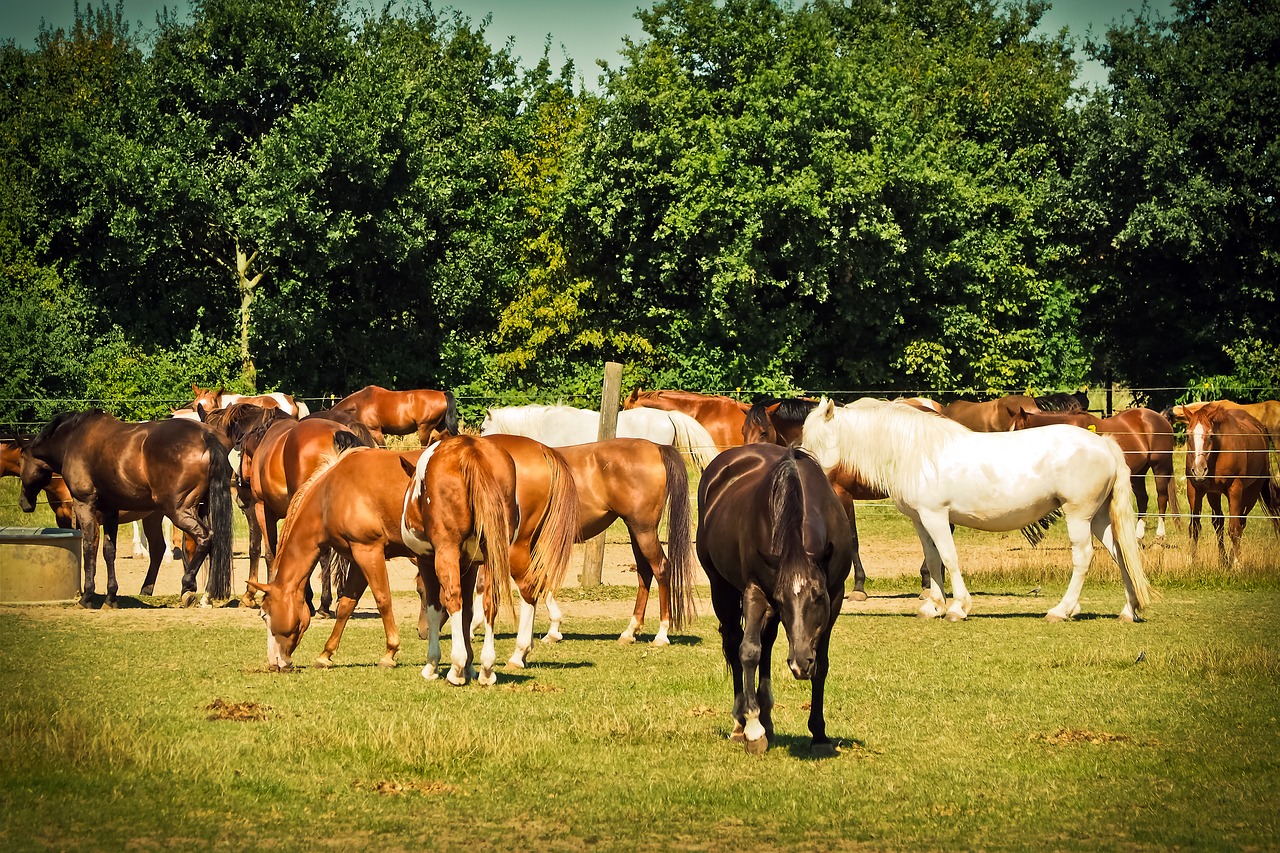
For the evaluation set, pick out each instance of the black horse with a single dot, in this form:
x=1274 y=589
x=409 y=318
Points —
x=775 y=544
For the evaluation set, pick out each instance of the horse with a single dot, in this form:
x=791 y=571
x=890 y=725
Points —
x=561 y=426
x=353 y=504
x=176 y=467
x=1266 y=413
x=776 y=421
x=1227 y=455
x=938 y=473
x=220 y=398
x=991 y=416
x=385 y=412
x=547 y=499
x=775 y=545
x=1063 y=401
x=721 y=416
x=1146 y=438
x=634 y=479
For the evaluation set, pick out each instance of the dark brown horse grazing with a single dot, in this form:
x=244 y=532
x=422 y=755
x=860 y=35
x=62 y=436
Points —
x=722 y=416
x=352 y=504
x=1227 y=455
x=178 y=467
x=634 y=479
x=1146 y=438
x=775 y=544
x=387 y=412
x=991 y=416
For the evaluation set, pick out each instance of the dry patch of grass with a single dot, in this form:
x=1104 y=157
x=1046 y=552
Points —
x=1071 y=737
x=240 y=712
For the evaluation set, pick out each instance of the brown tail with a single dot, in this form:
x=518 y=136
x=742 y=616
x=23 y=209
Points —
x=1271 y=498
x=1174 y=508
x=493 y=529
x=680 y=562
x=553 y=541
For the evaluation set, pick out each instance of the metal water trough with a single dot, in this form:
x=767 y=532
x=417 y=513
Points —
x=39 y=564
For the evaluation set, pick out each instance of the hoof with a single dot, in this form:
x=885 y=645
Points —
x=86 y=601
x=322 y=613
x=429 y=672
x=626 y=639
x=757 y=747
x=487 y=679
x=387 y=662
x=823 y=750
x=955 y=616
x=661 y=640
x=1056 y=617
x=247 y=600
x=552 y=637
x=857 y=595
x=189 y=599
x=516 y=662
x=111 y=603
x=324 y=662
x=148 y=590
x=457 y=679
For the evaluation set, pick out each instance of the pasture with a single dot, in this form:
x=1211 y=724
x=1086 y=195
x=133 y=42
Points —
x=152 y=727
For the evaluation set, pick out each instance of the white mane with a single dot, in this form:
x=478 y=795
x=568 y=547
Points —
x=882 y=443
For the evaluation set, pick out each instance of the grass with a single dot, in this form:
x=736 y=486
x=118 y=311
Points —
x=155 y=728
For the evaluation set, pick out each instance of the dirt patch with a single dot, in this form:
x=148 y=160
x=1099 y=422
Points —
x=393 y=788
x=240 y=712
x=533 y=688
x=1070 y=737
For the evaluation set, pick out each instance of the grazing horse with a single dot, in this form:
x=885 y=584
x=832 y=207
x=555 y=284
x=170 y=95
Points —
x=176 y=467
x=352 y=504
x=220 y=398
x=633 y=479
x=1146 y=438
x=774 y=542
x=939 y=473
x=721 y=416
x=385 y=412
x=991 y=416
x=561 y=426
x=1227 y=455
x=1063 y=401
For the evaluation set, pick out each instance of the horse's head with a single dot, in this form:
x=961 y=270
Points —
x=804 y=606
x=633 y=399
x=757 y=428
x=287 y=617
x=36 y=474
x=1019 y=419
x=820 y=434
x=1201 y=438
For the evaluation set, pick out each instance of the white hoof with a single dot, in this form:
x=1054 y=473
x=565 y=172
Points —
x=516 y=660
x=552 y=636
x=929 y=610
x=488 y=678
x=429 y=672
x=661 y=640
x=456 y=676
x=955 y=614
x=626 y=638
x=1056 y=615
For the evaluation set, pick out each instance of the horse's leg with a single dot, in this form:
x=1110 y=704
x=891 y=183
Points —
x=175 y=542
x=726 y=601
x=139 y=542
x=188 y=520
x=355 y=586
x=1106 y=534
x=1080 y=531
x=1236 y=508
x=488 y=655
x=528 y=607
x=650 y=565
x=110 y=527
x=935 y=538
x=327 y=556
x=821 y=745
x=153 y=528
x=1139 y=485
x=431 y=617
x=925 y=585
x=1194 y=497
x=554 y=615
x=1161 y=481
x=87 y=521
x=764 y=693
x=1219 y=523
x=372 y=563
x=245 y=499
x=755 y=614
x=448 y=563
x=859 y=573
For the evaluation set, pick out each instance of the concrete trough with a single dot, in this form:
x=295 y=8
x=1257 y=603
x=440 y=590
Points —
x=39 y=564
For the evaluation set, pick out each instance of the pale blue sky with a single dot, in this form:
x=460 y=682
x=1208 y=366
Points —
x=587 y=29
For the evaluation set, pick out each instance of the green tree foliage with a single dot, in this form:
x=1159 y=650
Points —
x=1181 y=162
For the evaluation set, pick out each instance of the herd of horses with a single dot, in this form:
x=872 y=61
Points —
x=776 y=528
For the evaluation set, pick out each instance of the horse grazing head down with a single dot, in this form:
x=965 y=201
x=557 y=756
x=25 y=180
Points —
x=287 y=617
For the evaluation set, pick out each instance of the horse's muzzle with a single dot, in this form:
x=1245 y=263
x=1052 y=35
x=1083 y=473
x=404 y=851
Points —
x=26 y=503
x=802 y=669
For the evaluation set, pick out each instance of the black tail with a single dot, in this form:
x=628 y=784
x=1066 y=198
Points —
x=680 y=561
x=450 y=413
x=344 y=440
x=218 y=501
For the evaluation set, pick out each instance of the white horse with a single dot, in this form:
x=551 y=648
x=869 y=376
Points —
x=561 y=426
x=940 y=473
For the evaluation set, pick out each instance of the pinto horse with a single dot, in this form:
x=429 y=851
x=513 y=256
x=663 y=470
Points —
x=634 y=479
x=1227 y=455
x=385 y=412
x=176 y=467
x=722 y=417
x=939 y=473
x=774 y=542
x=1146 y=438
x=352 y=504
x=220 y=398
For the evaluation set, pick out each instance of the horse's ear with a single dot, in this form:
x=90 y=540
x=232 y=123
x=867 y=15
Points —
x=200 y=412
x=409 y=467
x=195 y=389
x=827 y=407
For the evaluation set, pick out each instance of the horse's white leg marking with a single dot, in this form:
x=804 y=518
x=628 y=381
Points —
x=662 y=639
x=430 y=671
x=1160 y=527
x=754 y=729
x=938 y=528
x=477 y=614
x=553 y=634
x=458 y=650
x=139 y=544
x=524 y=635
x=1079 y=529
x=1141 y=529
x=935 y=601
x=629 y=635
x=488 y=654
x=1106 y=535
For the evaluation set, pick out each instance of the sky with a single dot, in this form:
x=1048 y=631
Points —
x=587 y=29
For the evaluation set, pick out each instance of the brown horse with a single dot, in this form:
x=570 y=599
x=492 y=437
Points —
x=177 y=467
x=1227 y=455
x=220 y=398
x=1266 y=413
x=1146 y=438
x=353 y=504
x=991 y=416
x=722 y=416
x=385 y=412
x=634 y=479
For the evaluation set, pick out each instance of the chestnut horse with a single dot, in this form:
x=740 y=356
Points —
x=723 y=417
x=387 y=412
x=461 y=512
x=352 y=504
x=1146 y=438
x=991 y=416
x=775 y=545
x=220 y=398
x=634 y=479
x=56 y=493
x=176 y=467
x=1227 y=455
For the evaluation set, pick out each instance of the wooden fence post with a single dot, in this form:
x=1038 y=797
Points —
x=610 y=394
